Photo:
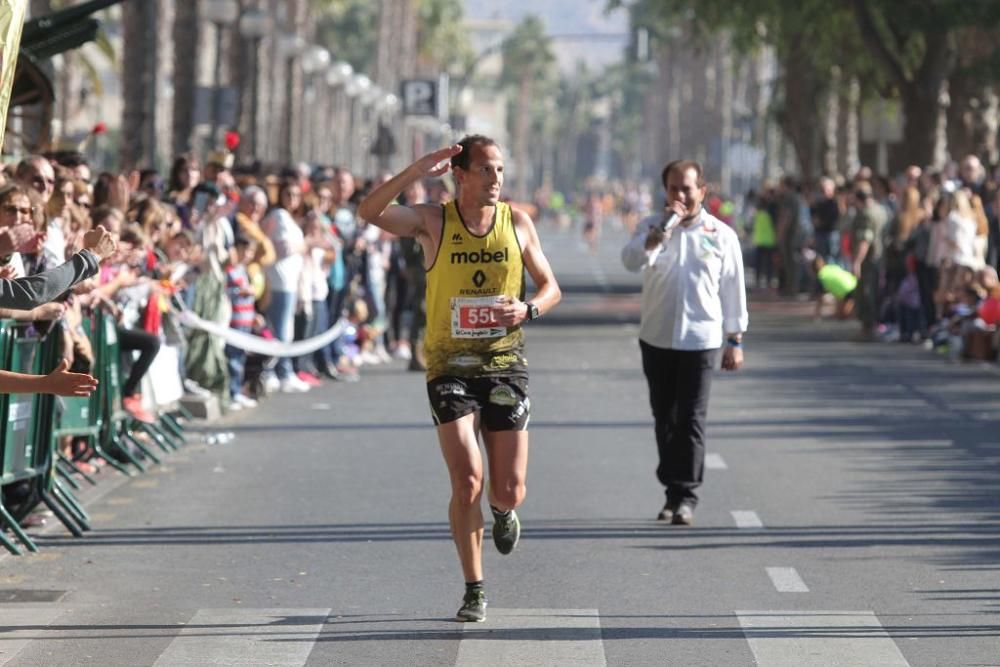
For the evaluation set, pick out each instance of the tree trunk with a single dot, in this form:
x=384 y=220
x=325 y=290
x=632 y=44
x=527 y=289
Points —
x=962 y=103
x=186 y=42
x=136 y=87
x=800 y=118
x=522 y=157
x=989 y=117
x=921 y=142
x=921 y=88
x=831 y=138
x=848 y=162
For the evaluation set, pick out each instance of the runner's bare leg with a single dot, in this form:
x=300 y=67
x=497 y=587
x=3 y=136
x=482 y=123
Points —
x=460 y=447
x=507 y=453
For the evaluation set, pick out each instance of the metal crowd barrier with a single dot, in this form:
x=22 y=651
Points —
x=32 y=468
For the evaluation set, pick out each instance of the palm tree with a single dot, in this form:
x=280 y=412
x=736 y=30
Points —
x=527 y=68
x=185 y=72
x=137 y=78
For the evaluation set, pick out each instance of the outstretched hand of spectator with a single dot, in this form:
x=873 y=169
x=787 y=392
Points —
x=8 y=272
x=47 y=312
x=100 y=242
x=63 y=383
x=16 y=238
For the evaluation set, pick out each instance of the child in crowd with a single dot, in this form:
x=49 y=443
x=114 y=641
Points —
x=242 y=297
x=909 y=310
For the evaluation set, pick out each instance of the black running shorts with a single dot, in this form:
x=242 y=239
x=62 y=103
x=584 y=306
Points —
x=502 y=401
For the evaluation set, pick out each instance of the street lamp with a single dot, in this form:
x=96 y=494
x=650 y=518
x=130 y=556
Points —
x=337 y=77
x=314 y=59
x=354 y=88
x=254 y=24
x=290 y=46
x=220 y=13
x=358 y=84
x=339 y=73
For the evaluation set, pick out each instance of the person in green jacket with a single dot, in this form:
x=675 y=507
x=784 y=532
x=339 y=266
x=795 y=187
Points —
x=764 y=241
x=835 y=281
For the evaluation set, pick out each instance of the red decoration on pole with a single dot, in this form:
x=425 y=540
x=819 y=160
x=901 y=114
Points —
x=232 y=140
x=99 y=128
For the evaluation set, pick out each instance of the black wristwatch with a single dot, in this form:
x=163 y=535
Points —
x=533 y=313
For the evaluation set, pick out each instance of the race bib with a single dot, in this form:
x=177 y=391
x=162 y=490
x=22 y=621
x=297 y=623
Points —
x=473 y=317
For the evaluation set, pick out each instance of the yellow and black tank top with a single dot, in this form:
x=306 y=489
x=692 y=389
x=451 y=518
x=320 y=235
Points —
x=465 y=281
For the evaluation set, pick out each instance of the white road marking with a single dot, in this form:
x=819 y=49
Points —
x=15 y=617
x=787 y=580
x=715 y=462
x=747 y=519
x=245 y=637
x=523 y=637
x=819 y=639
x=320 y=406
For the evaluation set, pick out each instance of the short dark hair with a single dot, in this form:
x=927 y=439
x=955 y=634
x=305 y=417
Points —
x=462 y=160
x=682 y=166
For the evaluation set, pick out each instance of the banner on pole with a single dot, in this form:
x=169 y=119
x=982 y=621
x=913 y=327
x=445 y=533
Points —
x=11 y=23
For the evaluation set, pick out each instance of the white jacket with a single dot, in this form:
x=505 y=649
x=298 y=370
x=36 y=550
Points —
x=692 y=290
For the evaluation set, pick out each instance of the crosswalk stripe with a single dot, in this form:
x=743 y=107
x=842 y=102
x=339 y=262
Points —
x=747 y=519
x=787 y=580
x=20 y=627
x=819 y=639
x=522 y=637
x=246 y=637
x=715 y=462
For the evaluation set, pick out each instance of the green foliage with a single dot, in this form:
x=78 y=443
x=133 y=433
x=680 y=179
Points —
x=442 y=42
x=527 y=55
x=349 y=28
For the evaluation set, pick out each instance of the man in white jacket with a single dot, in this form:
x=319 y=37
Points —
x=693 y=300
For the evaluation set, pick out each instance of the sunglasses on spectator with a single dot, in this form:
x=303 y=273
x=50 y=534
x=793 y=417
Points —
x=18 y=210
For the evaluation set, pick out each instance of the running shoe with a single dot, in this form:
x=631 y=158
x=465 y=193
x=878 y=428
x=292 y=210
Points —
x=683 y=515
x=473 y=609
x=506 y=530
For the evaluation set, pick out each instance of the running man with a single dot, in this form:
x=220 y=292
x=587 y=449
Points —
x=476 y=249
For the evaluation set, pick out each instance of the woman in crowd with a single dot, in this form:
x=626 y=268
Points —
x=185 y=174
x=283 y=277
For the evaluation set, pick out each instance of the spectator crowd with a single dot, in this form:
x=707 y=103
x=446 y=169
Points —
x=914 y=258
x=281 y=256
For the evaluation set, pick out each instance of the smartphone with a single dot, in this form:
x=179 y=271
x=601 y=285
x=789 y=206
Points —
x=200 y=202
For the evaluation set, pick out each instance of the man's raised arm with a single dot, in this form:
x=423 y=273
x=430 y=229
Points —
x=377 y=207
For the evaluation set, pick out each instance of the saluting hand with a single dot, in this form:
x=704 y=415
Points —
x=438 y=163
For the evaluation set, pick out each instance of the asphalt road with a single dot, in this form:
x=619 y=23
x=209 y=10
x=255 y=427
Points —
x=851 y=516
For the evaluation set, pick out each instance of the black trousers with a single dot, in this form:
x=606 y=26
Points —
x=679 y=382
x=148 y=345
